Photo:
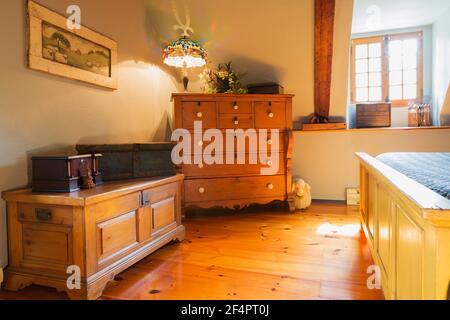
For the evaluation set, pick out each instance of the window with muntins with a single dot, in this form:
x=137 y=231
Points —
x=387 y=69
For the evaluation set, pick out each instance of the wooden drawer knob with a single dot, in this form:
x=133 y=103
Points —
x=271 y=115
x=269 y=142
x=236 y=121
x=270 y=186
x=236 y=107
x=269 y=163
x=199 y=115
x=201 y=190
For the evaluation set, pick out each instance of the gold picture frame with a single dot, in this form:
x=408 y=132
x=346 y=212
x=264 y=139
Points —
x=79 y=54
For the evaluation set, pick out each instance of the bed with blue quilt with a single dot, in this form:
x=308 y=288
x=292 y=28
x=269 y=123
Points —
x=431 y=170
x=405 y=215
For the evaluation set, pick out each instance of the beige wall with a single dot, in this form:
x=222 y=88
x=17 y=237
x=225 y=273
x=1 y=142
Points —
x=340 y=74
x=441 y=56
x=268 y=40
x=40 y=112
x=327 y=160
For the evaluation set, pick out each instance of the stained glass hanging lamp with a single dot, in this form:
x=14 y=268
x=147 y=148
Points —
x=184 y=53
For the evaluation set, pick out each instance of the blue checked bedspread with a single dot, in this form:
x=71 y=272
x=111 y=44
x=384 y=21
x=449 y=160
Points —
x=429 y=169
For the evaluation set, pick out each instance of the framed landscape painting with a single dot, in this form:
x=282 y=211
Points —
x=79 y=54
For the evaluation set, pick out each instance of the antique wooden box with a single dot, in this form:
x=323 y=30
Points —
x=265 y=88
x=63 y=173
x=373 y=115
x=129 y=161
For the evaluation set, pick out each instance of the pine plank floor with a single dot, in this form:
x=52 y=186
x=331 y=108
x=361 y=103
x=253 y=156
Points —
x=317 y=254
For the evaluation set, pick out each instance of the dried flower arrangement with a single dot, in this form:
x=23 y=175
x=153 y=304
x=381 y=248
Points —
x=222 y=80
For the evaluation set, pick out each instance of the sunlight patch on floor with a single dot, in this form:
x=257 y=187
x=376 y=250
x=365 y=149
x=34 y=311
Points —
x=349 y=230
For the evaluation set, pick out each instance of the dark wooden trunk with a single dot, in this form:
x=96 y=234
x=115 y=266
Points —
x=129 y=161
x=265 y=88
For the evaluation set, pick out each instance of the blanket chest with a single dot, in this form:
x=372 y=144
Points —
x=80 y=241
x=129 y=161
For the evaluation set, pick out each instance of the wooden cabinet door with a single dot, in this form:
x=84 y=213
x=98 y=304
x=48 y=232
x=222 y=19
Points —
x=384 y=230
x=409 y=258
x=46 y=246
x=161 y=211
x=40 y=236
x=116 y=236
x=364 y=178
x=115 y=223
x=372 y=207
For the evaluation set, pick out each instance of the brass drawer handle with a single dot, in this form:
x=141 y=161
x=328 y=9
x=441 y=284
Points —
x=199 y=115
x=236 y=107
x=269 y=142
x=269 y=163
x=44 y=214
x=270 y=186
x=271 y=115
x=201 y=190
x=236 y=121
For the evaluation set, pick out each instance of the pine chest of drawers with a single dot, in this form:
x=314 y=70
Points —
x=88 y=237
x=243 y=182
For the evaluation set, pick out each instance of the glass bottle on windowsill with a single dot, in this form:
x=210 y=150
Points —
x=413 y=115
x=425 y=115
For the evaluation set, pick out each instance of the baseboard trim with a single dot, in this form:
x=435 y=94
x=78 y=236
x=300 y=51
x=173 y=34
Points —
x=321 y=201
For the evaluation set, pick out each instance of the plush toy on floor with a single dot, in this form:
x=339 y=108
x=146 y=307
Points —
x=302 y=192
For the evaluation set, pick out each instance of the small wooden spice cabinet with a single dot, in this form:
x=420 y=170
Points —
x=102 y=232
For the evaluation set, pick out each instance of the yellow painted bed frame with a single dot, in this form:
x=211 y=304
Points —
x=408 y=230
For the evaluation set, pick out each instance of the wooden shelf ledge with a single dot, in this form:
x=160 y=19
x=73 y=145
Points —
x=390 y=129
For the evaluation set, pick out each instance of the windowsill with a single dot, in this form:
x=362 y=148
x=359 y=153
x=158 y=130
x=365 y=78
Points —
x=394 y=104
x=379 y=129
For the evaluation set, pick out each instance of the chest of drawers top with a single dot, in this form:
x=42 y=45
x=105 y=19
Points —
x=215 y=96
x=230 y=111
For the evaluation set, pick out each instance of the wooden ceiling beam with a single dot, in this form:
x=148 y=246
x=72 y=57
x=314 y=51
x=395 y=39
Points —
x=324 y=33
